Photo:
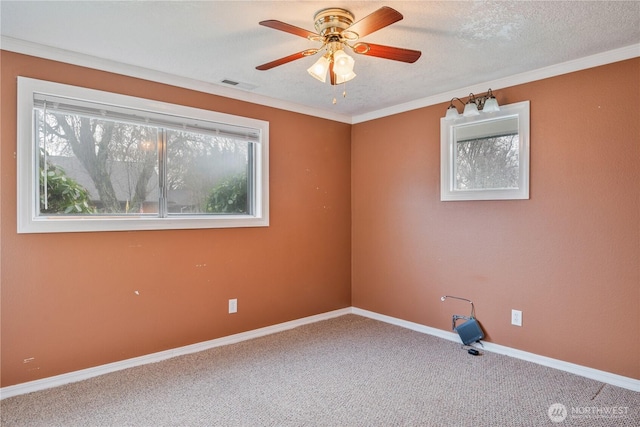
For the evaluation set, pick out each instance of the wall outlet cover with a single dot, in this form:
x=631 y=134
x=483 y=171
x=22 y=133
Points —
x=233 y=305
x=516 y=317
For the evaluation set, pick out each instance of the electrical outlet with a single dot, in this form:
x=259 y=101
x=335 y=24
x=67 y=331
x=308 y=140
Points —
x=233 y=305
x=516 y=317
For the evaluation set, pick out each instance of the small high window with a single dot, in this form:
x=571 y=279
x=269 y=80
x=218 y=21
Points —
x=95 y=161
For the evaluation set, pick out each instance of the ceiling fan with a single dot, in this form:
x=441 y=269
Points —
x=336 y=30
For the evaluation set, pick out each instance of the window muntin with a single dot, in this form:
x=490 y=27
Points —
x=130 y=163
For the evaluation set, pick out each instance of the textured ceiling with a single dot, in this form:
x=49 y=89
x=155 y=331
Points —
x=462 y=43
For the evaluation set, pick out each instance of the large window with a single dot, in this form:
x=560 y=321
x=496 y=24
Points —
x=95 y=161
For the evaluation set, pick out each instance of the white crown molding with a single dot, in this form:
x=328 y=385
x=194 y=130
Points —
x=583 y=371
x=58 y=380
x=89 y=61
x=603 y=58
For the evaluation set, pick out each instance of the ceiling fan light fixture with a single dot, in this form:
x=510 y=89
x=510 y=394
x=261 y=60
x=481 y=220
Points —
x=344 y=78
x=336 y=29
x=319 y=69
x=342 y=63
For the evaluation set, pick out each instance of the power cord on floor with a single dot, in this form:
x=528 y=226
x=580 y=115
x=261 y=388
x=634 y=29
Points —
x=472 y=350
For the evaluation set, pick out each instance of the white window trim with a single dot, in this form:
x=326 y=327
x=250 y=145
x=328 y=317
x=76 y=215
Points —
x=27 y=203
x=447 y=156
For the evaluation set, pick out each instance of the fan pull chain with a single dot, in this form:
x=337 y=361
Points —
x=344 y=93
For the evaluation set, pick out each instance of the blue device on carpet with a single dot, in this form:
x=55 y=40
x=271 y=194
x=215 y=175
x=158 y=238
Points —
x=469 y=331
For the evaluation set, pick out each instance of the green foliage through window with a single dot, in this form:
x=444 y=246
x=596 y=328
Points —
x=64 y=194
x=230 y=196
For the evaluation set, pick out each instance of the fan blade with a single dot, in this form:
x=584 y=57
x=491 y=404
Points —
x=281 y=61
x=288 y=28
x=375 y=21
x=387 y=52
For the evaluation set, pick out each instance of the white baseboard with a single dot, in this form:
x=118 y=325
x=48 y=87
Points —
x=583 y=371
x=84 y=374
x=58 y=380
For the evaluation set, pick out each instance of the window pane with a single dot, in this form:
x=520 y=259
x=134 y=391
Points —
x=92 y=166
x=487 y=163
x=207 y=174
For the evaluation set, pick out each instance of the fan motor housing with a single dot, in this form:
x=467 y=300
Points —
x=332 y=21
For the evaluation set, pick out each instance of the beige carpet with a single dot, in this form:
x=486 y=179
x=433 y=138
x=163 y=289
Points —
x=347 y=371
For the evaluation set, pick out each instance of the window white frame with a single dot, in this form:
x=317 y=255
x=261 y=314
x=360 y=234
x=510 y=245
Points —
x=449 y=129
x=27 y=197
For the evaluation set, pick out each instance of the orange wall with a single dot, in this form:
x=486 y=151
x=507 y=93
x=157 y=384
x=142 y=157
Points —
x=68 y=300
x=351 y=224
x=569 y=257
